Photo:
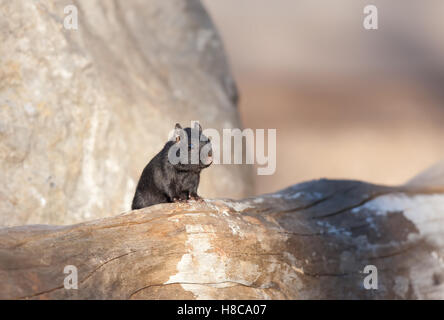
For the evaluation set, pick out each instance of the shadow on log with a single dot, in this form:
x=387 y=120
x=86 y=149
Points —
x=309 y=241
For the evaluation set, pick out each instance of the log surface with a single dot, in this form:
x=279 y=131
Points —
x=309 y=241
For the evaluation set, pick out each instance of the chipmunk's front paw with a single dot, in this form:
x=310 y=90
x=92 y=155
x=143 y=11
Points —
x=195 y=197
x=180 y=199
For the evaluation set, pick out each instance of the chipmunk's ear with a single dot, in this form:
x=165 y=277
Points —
x=197 y=126
x=177 y=130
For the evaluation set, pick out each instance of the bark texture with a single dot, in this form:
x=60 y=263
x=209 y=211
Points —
x=311 y=240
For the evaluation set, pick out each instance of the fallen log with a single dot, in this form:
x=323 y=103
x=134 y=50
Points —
x=310 y=241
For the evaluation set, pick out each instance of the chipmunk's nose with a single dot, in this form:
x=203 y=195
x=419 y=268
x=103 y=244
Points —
x=208 y=160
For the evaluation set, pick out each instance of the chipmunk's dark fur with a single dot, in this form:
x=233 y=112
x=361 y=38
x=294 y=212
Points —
x=162 y=181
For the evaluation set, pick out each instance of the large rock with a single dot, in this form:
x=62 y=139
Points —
x=83 y=111
x=311 y=241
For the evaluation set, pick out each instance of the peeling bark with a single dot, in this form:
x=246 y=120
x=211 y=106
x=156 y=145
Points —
x=309 y=241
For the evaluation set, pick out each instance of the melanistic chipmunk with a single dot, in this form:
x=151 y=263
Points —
x=164 y=179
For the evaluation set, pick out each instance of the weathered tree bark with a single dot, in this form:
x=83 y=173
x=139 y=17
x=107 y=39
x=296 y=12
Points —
x=312 y=240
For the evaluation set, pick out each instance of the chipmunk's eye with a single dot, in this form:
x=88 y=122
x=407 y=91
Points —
x=190 y=146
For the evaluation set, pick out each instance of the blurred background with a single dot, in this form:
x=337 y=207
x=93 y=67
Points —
x=346 y=102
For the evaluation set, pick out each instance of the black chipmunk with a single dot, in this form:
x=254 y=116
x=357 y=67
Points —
x=165 y=179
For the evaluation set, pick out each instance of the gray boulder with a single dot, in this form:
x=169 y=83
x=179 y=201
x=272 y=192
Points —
x=82 y=111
